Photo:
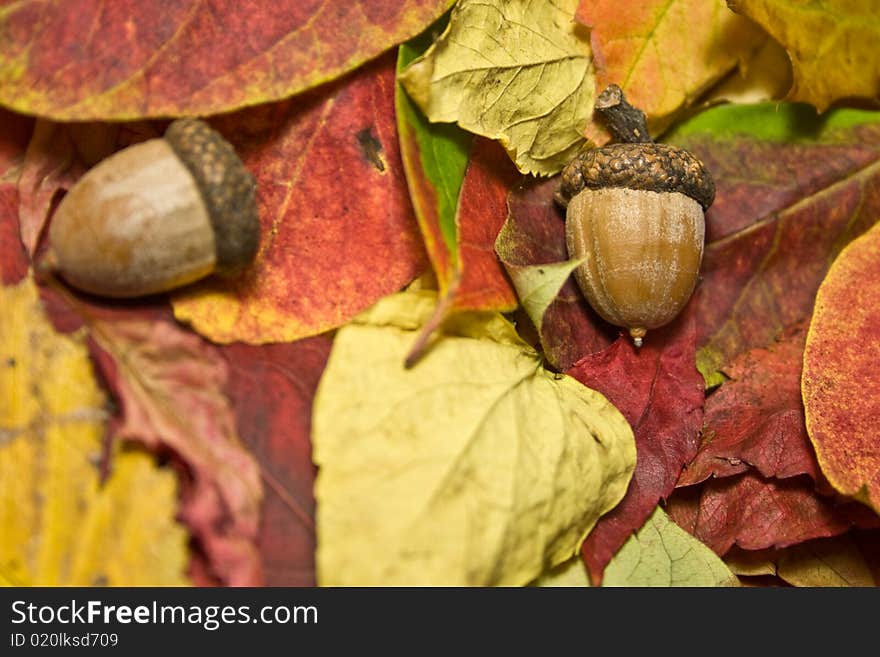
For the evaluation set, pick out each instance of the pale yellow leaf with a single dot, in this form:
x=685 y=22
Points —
x=537 y=285
x=662 y=554
x=475 y=467
x=59 y=523
x=519 y=71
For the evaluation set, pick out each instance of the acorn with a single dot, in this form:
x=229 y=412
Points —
x=635 y=214
x=157 y=215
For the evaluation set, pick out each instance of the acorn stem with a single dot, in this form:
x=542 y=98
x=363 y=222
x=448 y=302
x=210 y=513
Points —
x=626 y=123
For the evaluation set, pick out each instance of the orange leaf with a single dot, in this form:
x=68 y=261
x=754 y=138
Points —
x=665 y=53
x=338 y=226
x=840 y=380
x=122 y=60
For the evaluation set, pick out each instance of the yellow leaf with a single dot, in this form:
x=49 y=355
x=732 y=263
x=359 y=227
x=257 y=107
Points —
x=519 y=71
x=662 y=554
x=833 y=561
x=832 y=45
x=475 y=467
x=59 y=525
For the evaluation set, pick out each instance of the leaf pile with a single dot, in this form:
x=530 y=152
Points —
x=407 y=386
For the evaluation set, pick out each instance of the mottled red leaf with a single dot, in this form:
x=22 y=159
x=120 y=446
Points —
x=171 y=384
x=660 y=392
x=756 y=513
x=756 y=419
x=787 y=201
x=271 y=388
x=534 y=234
x=482 y=209
x=338 y=226
x=841 y=383
x=126 y=59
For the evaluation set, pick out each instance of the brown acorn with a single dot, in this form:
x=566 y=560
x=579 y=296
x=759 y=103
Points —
x=635 y=213
x=157 y=215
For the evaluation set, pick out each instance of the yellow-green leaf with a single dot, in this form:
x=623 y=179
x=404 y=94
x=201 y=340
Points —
x=519 y=71
x=662 y=554
x=59 y=524
x=538 y=285
x=832 y=45
x=475 y=467
x=832 y=562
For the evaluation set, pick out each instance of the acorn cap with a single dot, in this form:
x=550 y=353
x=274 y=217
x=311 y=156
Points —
x=643 y=166
x=227 y=187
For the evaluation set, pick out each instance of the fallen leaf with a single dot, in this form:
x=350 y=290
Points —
x=663 y=554
x=50 y=167
x=660 y=392
x=568 y=574
x=756 y=419
x=533 y=236
x=834 y=562
x=641 y=48
x=792 y=190
x=482 y=210
x=514 y=70
x=338 y=226
x=435 y=157
x=81 y=61
x=838 y=382
x=15 y=133
x=756 y=513
x=538 y=286
x=832 y=45
x=271 y=389
x=170 y=385
x=751 y=563
x=61 y=522
x=764 y=75
x=511 y=471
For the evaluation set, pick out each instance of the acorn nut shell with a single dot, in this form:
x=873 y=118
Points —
x=634 y=213
x=157 y=215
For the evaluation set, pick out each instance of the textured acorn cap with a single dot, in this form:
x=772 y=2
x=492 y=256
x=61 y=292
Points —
x=644 y=166
x=227 y=187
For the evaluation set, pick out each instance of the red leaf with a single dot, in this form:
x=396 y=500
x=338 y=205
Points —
x=757 y=513
x=482 y=209
x=271 y=388
x=757 y=419
x=781 y=214
x=93 y=59
x=170 y=384
x=534 y=234
x=660 y=392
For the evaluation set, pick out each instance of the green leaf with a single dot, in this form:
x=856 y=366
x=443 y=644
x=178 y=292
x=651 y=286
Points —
x=435 y=158
x=662 y=554
x=475 y=467
x=518 y=71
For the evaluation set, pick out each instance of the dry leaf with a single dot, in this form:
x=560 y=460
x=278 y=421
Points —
x=59 y=523
x=519 y=71
x=475 y=467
